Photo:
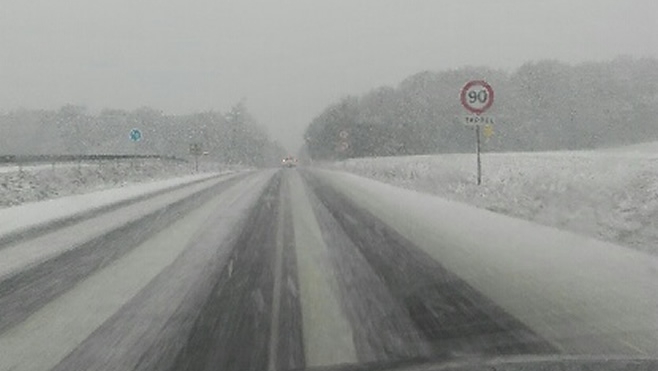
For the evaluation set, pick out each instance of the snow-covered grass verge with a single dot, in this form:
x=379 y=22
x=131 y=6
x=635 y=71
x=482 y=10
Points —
x=38 y=183
x=612 y=196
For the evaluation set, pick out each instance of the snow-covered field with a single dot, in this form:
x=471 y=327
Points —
x=41 y=182
x=611 y=195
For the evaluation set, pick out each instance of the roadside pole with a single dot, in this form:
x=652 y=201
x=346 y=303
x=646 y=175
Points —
x=477 y=96
x=477 y=150
x=196 y=150
x=135 y=137
x=134 y=160
x=343 y=144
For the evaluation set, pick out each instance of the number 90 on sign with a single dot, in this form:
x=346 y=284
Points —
x=477 y=96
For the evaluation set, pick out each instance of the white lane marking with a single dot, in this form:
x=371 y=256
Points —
x=230 y=268
x=46 y=337
x=328 y=336
x=278 y=269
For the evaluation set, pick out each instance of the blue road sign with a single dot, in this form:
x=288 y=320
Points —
x=135 y=135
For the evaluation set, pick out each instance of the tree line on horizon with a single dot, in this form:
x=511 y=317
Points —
x=543 y=105
x=233 y=137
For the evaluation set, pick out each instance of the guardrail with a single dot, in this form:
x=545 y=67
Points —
x=26 y=159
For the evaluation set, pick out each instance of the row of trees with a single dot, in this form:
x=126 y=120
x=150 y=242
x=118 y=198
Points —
x=545 y=105
x=233 y=137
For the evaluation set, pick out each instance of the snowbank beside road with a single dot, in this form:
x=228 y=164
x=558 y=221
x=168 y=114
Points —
x=42 y=182
x=612 y=196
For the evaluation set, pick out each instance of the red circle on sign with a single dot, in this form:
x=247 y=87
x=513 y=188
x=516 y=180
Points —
x=487 y=105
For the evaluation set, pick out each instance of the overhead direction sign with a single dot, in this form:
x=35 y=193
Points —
x=477 y=96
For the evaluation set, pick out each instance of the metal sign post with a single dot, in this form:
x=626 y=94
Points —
x=196 y=150
x=343 y=144
x=477 y=151
x=477 y=96
x=135 y=137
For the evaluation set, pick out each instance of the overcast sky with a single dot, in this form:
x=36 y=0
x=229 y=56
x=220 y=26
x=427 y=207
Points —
x=288 y=59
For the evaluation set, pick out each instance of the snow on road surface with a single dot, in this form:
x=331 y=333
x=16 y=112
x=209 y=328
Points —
x=366 y=272
x=20 y=218
x=64 y=323
x=583 y=295
x=609 y=195
x=19 y=256
x=327 y=335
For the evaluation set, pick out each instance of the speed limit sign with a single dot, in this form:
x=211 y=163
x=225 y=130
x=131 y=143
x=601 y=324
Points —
x=477 y=96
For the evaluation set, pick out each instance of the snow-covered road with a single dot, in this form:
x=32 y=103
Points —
x=92 y=223
x=28 y=216
x=581 y=294
x=301 y=268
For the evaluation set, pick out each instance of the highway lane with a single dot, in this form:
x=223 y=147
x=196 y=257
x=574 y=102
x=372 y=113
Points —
x=275 y=270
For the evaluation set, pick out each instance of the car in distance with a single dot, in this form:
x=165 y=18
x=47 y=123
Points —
x=289 y=162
